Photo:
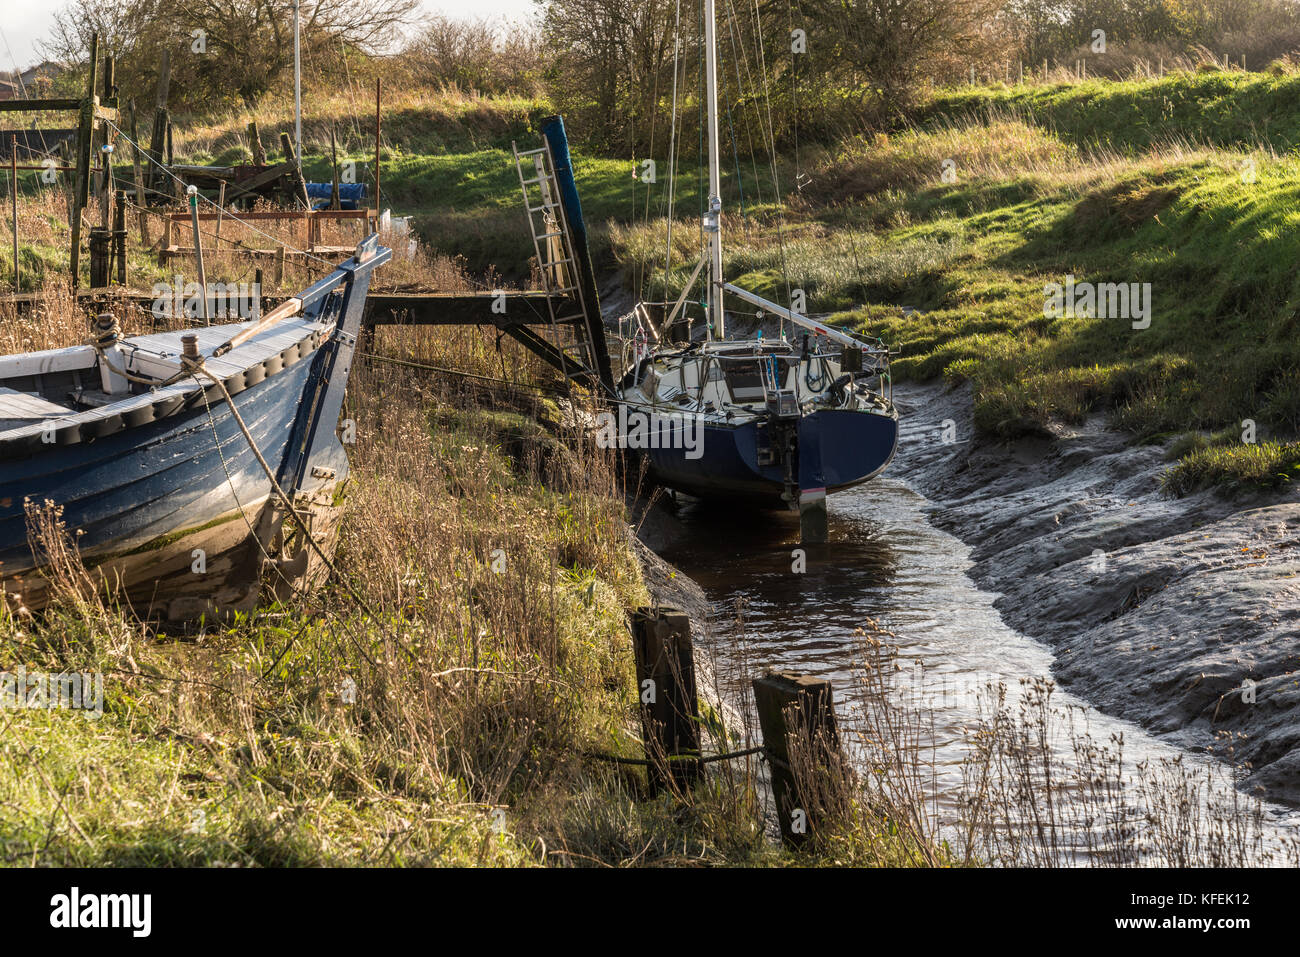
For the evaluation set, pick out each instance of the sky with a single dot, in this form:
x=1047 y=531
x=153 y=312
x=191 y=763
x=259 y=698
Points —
x=24 y=23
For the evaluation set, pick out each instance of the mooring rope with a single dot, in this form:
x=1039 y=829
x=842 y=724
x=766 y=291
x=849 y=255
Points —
x=703 y=759
x=197 y=366
x=407 y=363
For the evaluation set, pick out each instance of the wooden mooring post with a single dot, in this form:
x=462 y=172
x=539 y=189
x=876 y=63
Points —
x=119 y=235
x=665 y=677
x=796 y=714
x=100 y=242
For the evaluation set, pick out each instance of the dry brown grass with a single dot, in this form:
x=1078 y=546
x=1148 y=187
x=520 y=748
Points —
x=1038 y=790
x=1002 y=149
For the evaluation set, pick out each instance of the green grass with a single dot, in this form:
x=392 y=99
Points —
x=1235 y=467
x=1223 y=109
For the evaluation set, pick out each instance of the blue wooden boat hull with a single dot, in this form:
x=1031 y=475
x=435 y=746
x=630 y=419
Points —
x=852 y=446
x=171 y=510
x=140 y=502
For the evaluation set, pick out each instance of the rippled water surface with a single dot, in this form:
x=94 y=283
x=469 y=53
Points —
x=888 y=563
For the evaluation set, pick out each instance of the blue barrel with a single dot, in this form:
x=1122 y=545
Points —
x=351 y=195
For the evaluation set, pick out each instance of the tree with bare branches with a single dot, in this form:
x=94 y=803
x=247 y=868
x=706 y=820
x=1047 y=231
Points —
x=222 y=48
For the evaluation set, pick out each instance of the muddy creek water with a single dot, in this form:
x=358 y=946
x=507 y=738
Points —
x=888 y=563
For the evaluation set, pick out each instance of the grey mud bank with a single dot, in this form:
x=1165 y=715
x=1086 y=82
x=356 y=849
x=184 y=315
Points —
x=1181 y=615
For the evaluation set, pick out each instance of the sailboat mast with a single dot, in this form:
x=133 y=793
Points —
x=713 y=219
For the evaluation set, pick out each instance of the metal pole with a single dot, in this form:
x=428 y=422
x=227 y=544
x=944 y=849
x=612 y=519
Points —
x=193 y=193
x=13 y=185
x=378 y=90
x=297 y=87
x=713 y=223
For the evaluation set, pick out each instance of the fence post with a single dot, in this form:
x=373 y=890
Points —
x=119 y=234
x=799 y=708
x=99 y=244
x=154 y=177
x=85 y=136
x=665 y=677
x=255 y=143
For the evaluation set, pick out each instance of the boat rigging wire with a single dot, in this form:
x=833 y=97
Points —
x=672 y=146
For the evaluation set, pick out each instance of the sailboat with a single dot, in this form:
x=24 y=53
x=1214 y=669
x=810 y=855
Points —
x=785 y=421
x=193 y=467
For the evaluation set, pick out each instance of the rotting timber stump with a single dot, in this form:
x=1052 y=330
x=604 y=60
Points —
x=665 y=675
x=796 y=715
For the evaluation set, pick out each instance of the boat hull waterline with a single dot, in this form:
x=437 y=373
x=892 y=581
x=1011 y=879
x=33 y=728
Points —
x=837 y=449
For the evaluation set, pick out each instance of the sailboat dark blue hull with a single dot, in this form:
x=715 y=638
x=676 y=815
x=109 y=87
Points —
x=839 y=448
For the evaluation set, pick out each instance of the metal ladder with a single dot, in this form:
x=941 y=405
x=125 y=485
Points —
x=553 y=246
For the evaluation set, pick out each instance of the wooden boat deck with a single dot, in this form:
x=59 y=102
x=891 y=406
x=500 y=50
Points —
x=22 y=408
x=23 y=414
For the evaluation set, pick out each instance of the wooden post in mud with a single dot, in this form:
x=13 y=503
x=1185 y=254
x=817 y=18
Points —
x=665 y=677
x=798 y=709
